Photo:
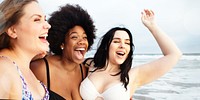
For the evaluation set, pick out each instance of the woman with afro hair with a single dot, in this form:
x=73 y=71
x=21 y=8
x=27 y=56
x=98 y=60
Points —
x=70 y=37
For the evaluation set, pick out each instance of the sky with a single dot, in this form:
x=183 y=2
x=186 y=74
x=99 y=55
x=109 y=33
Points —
x=180 y=19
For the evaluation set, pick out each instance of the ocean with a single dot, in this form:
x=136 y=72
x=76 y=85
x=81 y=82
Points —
x=182 y=82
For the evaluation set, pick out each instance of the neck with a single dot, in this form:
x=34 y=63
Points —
x=112 y=67
x=68 y=65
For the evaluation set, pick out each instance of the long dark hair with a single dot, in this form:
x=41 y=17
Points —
x=102 y=54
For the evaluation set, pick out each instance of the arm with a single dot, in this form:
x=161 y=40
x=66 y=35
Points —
x=171 y=54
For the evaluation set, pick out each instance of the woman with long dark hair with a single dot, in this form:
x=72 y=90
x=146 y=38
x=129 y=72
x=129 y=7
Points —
x=111 y=76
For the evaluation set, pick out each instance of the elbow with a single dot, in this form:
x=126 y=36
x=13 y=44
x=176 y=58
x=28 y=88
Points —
x=178 y=54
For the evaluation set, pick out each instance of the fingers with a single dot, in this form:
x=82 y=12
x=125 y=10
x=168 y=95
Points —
x=147 y=17
x=152 y=12
x=148 y=12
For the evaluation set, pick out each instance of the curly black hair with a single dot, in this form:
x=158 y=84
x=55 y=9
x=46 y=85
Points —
x=66 y=18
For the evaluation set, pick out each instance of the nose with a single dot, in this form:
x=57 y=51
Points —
x=47 y=25
x=121 y=45
x=81 y=41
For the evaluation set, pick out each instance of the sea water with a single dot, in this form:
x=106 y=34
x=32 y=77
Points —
x=182 y=82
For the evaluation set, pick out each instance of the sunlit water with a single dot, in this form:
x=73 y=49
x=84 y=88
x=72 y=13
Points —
x=180 y=83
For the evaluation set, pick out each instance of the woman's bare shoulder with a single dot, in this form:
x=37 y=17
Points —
x=38 y=67
x=6 y=65
x=9 y=76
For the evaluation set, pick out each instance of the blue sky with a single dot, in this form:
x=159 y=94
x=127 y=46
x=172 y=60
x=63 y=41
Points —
x=180 y=19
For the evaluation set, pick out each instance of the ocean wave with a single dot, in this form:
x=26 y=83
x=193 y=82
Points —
x=154 y=56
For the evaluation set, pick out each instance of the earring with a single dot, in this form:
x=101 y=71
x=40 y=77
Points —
x=62 y=46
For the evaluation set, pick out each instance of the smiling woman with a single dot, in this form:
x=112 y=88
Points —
x=111 y=73
x=22 y=23
x=70 y=37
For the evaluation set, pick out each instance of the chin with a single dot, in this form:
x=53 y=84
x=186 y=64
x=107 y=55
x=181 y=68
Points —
x=120 y=62
x=79 y=61
x=45 y=49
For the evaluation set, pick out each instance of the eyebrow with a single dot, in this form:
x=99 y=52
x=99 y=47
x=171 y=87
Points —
x=35 y=15
x=73 y=33
x=38 y=15
x=76 y=33
x=120 y=38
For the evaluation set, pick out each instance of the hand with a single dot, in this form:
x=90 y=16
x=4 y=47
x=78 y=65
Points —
x=148 y=18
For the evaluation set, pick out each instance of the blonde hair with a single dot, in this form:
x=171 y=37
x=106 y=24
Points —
x=10 y=13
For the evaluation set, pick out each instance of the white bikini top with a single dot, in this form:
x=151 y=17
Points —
x=116 y=92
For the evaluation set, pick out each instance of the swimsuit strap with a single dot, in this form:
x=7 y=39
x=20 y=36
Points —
x=82 y=72
x=48 y=73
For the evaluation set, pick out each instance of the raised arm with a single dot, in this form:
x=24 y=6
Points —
x=171 y=54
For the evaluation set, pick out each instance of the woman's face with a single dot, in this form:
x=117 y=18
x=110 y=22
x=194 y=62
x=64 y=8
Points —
x=119 y=47
x=32 y=29
x=76 y=45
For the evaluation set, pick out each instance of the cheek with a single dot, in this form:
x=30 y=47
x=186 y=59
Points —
x=86 y=43
x=70 y=43
x=128 y=48
x=111 y=51
x=111 y=54
x=112 y=46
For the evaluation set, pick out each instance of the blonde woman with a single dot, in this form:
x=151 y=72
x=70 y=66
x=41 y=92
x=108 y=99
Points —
x=23 y=32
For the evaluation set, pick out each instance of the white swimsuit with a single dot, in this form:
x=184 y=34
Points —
x=116 y=92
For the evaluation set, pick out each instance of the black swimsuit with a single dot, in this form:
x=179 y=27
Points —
x=53 y=95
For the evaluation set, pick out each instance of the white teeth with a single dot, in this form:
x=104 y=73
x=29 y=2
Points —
x=80 y=49
x=44 y=36
x=121 y=53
